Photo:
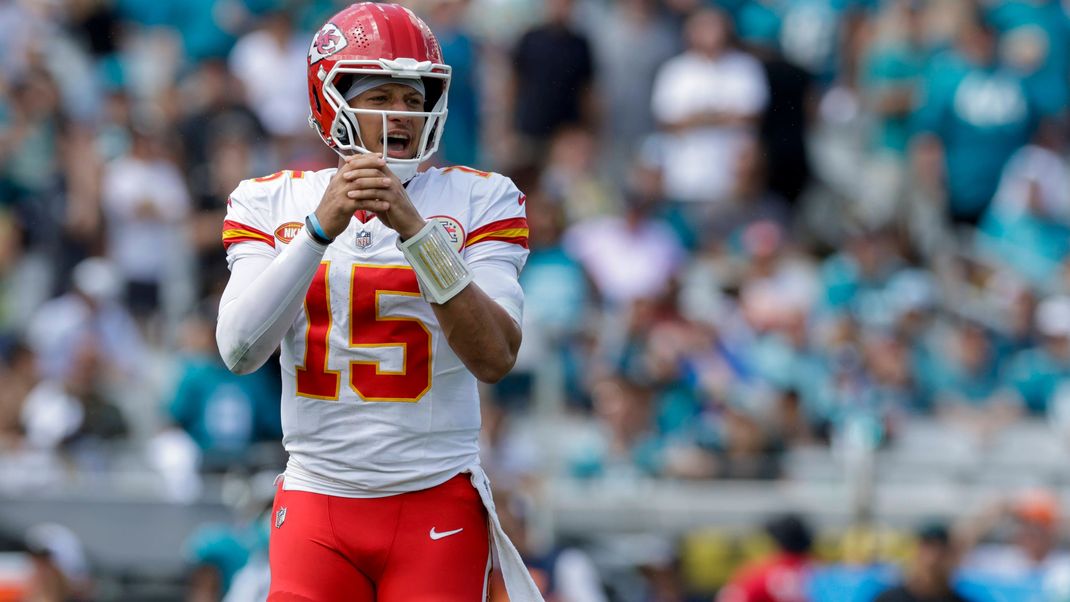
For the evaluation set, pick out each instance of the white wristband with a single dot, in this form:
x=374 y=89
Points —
x=441 y=271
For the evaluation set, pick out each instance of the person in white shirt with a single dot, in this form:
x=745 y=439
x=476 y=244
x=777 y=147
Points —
x=707 y=100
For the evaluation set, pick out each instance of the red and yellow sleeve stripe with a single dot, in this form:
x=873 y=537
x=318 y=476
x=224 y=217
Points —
x=513 y=231
x=235 y=232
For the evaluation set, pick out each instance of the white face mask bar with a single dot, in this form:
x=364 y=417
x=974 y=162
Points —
x=400 y=167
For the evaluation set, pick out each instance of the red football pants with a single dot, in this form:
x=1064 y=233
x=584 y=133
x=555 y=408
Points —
x=425 y=546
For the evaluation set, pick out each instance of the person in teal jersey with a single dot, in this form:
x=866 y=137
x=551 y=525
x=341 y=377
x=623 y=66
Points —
x=758 y=22
x=1037 y=34
x=204 y=27
x=1027 y=226
x=1036 y=374
x=891 y=72
x=222 y=412
x=976 y=113
x=460 y=142
x=148 y=14
x=964 y=381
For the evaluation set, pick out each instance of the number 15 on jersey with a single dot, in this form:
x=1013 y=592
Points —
x=368 y=329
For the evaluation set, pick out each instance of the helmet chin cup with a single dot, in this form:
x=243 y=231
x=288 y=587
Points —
x=404 y=169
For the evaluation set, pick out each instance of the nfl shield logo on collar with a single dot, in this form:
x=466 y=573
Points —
x=364 y=239
x=280 y=517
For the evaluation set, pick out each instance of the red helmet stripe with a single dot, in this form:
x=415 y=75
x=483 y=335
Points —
x=409 y=32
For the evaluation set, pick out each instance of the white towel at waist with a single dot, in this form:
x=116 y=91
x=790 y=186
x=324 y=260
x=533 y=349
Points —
x=518 y=582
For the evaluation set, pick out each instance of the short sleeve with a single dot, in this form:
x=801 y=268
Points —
x=496 y=246
x=247 y=226
x=499 y=226
x=665 y=102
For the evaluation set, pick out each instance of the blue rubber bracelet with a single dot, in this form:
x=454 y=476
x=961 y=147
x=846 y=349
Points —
x=317 y=229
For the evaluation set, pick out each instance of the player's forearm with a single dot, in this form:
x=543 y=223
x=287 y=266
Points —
x=261 y=302
x=480 y=332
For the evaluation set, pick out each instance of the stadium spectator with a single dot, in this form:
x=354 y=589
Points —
x=1034 y=374
x=91 y=314
x=1035 y=38
x=928 y=576
x=75 y=413
x=460 y=143
x=630 y=256
x=783 y=576
x=1027 y=225
x=890 y=77
x=19 y=375
x=626 y=77
x=623 y=446
x=223 y=143
x=145 y=202
x=572 y=176
x=270 y=61
x=1031 y=552
x=553 y=72
x=975 y=115
x=708 y=101
x=60 y=568
x=968 y=391
x=225 y=414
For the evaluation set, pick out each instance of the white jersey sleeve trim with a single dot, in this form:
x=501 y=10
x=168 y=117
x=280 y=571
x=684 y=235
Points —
x=262 y=300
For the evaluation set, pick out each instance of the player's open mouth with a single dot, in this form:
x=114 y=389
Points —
x=397 y=145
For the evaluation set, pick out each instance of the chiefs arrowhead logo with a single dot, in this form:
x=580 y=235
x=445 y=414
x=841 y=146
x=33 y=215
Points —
x=328 y=41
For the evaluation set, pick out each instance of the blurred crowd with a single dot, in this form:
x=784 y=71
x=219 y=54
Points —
x=756 y=225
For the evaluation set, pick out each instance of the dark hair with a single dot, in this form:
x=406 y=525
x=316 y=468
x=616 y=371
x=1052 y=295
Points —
x=791 y=533
x=934 y=533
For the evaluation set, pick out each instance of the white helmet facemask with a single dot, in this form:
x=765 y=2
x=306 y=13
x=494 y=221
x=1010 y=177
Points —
x=346 y=132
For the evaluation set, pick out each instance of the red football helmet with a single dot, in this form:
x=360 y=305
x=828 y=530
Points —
x=375 y=39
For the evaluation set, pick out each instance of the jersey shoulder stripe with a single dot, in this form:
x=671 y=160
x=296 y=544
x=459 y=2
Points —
x=235 y=232
x=513 y=230
x=468 y=170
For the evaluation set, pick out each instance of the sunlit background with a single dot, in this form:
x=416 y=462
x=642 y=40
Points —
x=798 y=275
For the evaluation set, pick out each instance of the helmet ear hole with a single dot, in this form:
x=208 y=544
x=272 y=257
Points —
x=342 y=127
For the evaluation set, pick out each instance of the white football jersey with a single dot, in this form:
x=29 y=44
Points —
x=374 y=401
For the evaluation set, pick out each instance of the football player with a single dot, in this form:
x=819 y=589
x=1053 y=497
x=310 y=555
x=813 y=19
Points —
x=391 y=292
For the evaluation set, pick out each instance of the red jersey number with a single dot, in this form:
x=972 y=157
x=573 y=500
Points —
x=368 y=329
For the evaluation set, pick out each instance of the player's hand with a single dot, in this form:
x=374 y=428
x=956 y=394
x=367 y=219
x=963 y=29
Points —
x=336 y=208
x=375 y=188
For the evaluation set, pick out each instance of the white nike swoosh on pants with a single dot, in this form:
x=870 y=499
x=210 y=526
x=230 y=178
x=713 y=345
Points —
x=435 y=535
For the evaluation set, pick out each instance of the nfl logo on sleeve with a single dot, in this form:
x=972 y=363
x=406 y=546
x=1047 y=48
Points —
x=364 y=239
